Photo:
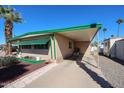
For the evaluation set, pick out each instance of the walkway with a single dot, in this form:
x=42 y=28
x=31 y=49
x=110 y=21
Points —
x=71 y=74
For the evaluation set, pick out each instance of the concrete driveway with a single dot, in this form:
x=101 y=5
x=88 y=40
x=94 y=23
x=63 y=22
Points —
x=71 y=74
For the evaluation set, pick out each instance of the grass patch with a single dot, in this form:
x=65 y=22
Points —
x=31 y=61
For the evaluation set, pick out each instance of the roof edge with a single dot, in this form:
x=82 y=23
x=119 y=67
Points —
x=60 y=30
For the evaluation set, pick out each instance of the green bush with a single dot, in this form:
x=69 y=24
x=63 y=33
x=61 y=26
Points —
x=8 y=61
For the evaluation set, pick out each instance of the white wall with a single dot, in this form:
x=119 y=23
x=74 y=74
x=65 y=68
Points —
x=120 y=50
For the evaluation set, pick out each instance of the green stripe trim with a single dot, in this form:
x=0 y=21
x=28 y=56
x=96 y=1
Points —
x=51 y=47
x=33 y=42
x=54 y=47
x=31 y=61
x=60 y=30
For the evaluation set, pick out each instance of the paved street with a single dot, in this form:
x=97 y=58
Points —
x=71 y=74
x=113 y=70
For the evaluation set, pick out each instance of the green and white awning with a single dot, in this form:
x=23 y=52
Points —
x=33 y=41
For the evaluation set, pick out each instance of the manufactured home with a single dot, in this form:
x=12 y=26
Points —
x=119 y=49
x=57 y=44
x=109 y=46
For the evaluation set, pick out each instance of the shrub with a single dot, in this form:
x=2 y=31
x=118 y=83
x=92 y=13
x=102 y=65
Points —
x=8 y=61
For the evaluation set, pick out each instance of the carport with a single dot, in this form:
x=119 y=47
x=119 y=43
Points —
x=69 y=40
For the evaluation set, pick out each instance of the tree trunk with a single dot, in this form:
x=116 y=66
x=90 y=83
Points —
x=118 y=30
x=104 y=35
x=8 y=36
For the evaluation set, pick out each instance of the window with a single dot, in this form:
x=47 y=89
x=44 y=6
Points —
x=45 y=46
x=70 y=44
x=26 y=46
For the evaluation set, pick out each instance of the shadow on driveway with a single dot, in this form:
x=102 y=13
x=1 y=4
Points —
x=101 y=81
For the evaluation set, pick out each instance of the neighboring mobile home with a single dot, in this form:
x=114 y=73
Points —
x=109 y=46
x=119 y=49
x=55 y=45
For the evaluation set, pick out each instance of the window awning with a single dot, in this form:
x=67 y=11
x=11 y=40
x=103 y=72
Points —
x=33 y=41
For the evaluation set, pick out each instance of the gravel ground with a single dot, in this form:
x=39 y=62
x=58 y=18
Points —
x=113 y=71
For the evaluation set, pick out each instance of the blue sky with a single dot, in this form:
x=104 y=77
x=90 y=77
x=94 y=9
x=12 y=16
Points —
x=38 y=18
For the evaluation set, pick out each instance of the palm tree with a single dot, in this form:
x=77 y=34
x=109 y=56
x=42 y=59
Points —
x=119 y=21
x=10 y=16
x=104 y=30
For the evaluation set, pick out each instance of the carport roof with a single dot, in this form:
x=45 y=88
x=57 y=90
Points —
x=59 y=30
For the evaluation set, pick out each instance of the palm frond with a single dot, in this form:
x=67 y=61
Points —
x=17 y=17
x=0 y=14
x=2 y=9
x=9 y=13
x=8 y=16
